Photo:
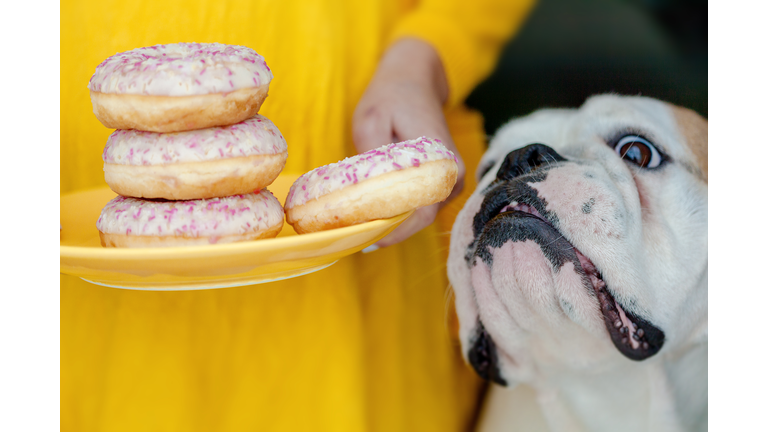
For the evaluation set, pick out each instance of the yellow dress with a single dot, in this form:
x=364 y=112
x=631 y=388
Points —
x=367 y=344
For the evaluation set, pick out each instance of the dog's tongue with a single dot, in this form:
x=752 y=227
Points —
x=633 y=336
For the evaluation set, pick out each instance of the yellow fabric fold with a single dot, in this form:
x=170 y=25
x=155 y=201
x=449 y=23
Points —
x=467 y=36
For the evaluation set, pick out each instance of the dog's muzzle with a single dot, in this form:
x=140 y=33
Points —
x=513 y=211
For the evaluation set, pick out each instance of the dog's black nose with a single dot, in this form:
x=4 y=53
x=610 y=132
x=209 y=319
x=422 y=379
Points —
x=526 y=159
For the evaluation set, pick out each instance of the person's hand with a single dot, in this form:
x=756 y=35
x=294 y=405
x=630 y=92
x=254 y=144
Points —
x=404 y=101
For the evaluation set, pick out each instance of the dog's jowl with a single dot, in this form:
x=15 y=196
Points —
x=580 y=266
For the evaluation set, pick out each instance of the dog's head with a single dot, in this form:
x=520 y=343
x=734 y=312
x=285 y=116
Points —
x=585 y=242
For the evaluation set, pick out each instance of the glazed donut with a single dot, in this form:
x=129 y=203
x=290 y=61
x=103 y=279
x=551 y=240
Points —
x=130 y=222
x=377 y=184
x=178 y=87
x=206 y=163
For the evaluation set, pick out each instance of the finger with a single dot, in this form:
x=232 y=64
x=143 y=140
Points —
x=430 y=122
x=456 y=191
x=422 y=120
x=419 y=220
x=371 y=127
x=433 y=126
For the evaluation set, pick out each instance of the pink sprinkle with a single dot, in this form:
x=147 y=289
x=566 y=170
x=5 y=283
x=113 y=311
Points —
x=396 y=165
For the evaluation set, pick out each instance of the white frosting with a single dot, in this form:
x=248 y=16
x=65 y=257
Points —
x=255 y=136
x=388 y=158
x=214 y=217
x=181 y=69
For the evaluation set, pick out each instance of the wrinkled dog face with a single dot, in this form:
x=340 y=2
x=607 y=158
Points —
x=585 y=242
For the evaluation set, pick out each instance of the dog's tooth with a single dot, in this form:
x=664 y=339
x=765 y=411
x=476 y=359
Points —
x=624 y=330
x=617 y=324
x=641 y=332
x=636 y=337
x=634 y=326
x=645 y=345
x=624 y=340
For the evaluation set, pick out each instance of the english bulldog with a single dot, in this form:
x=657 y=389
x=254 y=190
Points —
x=579 y=266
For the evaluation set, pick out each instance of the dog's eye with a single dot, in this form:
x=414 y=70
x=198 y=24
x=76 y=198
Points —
x=638 y=150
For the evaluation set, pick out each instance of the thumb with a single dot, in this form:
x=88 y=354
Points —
x=371 y=128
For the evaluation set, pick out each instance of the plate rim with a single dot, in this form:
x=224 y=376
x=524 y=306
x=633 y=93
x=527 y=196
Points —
x=186 y=286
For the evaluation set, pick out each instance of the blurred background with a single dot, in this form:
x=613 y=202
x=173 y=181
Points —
x=568 y=50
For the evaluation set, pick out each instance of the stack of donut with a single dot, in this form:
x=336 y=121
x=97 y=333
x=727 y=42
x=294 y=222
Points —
x=191 y=157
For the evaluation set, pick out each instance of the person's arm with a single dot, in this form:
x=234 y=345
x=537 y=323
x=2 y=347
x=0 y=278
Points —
x=437 y=55
x=468 y=36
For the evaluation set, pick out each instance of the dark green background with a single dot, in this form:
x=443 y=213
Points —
x=570 y=49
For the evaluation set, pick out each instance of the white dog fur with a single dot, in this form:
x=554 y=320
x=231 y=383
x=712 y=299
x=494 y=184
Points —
x=545 y=332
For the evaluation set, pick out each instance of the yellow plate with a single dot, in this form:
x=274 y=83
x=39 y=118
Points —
x=202 y=267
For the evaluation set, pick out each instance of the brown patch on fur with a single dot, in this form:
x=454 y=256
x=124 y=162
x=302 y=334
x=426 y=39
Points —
x=695 y=131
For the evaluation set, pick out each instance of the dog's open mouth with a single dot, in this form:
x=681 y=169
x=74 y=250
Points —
x=635 y=337
x=503 y=219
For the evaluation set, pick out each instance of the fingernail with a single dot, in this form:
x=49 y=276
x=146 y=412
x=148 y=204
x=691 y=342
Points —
x=370 y=249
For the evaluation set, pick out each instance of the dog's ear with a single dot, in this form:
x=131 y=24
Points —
x=694 y=128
